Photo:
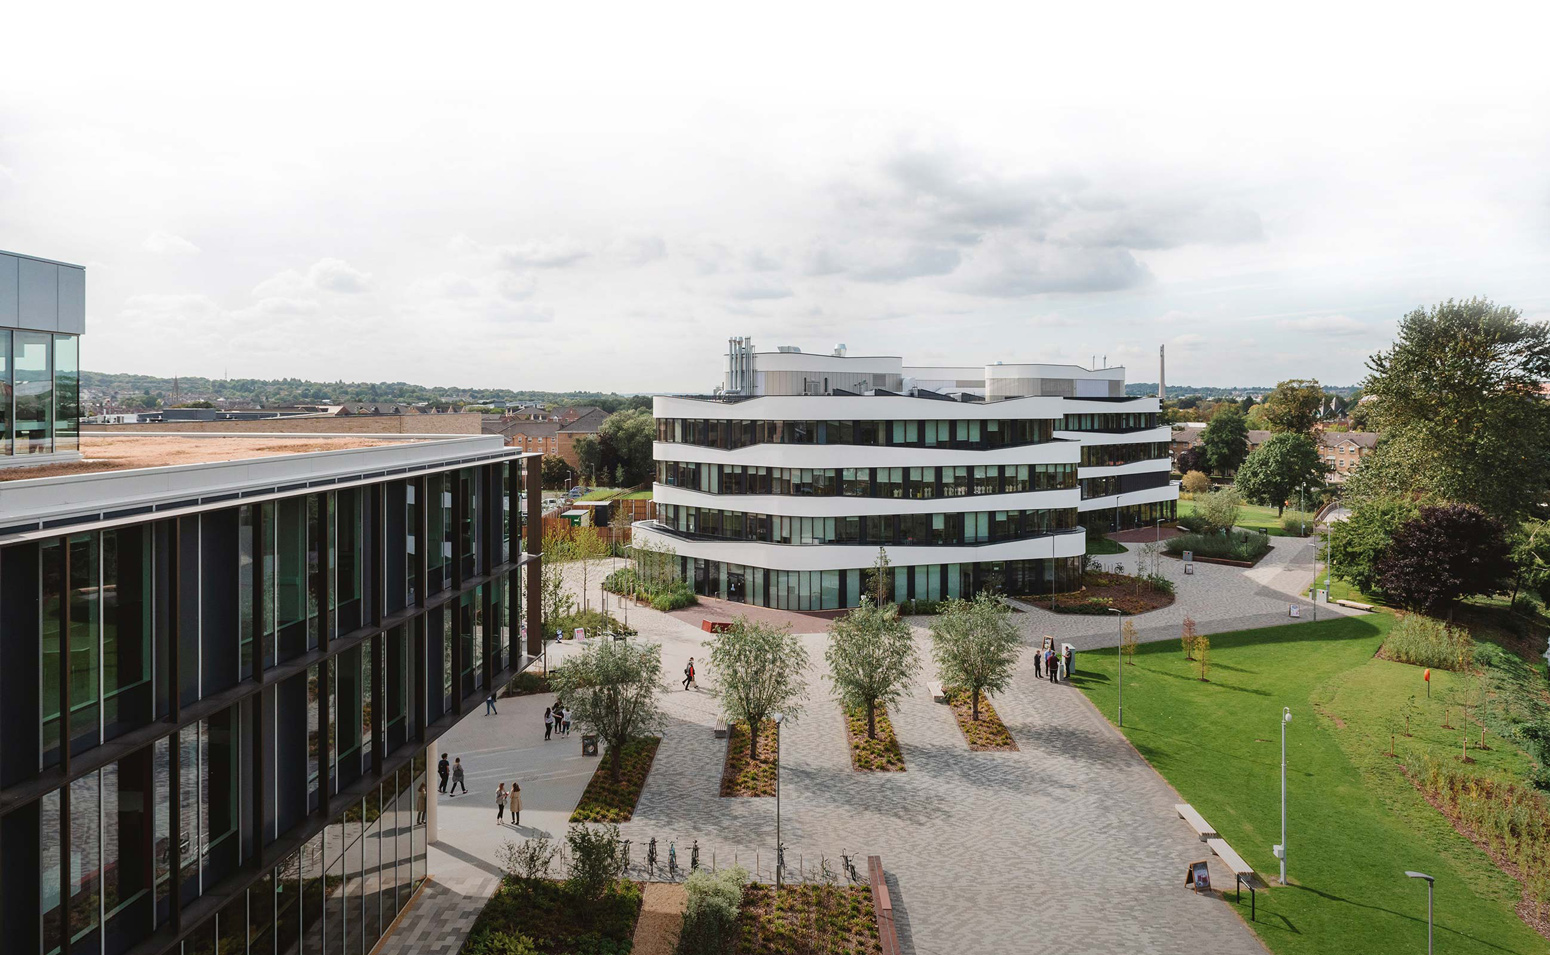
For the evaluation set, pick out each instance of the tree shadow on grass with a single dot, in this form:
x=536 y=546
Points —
x=1216 y=683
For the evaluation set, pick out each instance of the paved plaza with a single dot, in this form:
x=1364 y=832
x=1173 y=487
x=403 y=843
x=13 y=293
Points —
x=1069 y=845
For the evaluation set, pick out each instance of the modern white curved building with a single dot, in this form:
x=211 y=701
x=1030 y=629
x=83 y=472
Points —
x=779 y=489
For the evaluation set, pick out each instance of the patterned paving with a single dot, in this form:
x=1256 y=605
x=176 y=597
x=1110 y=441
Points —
x=440 y=917
x=1070 y=845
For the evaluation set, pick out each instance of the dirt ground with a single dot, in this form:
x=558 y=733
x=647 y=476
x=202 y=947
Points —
x=661 y=917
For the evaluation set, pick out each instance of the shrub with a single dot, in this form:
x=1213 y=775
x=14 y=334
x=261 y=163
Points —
x=1297 y=524
x=497 y=942
x=1159 y=583
x=920 y=608
x=1196 y=482
x=1512 y=819
x=710 y=918
x=594 y=861
x=1218 y=510
x=1444 y=554
x=1426 y=642
x=1239 y=544
x=676 y=599
x=528 y=860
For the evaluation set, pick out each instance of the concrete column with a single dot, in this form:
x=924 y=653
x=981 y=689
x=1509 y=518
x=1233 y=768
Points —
x=431 y=759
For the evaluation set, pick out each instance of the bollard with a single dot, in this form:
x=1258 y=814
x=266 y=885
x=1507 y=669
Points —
x=713 y=860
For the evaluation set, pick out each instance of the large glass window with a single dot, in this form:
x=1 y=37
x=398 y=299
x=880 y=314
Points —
x=7 y=395
x=67 y=392
x=85 y=634
x=51 y=635
x=34 y=375
x=126 y=629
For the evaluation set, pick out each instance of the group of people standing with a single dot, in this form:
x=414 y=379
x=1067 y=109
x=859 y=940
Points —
x=1047 y=662
x=556 y=720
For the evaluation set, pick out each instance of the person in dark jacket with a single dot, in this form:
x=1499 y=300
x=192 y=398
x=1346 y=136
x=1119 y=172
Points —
x=443 y=770
x=457 y=777
x=548 y=722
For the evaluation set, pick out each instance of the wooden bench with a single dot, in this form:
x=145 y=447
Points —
x=882 y=906
x=1241 y=871
x=1355 y=605
x=721 y=729
x=1196 y=821
x=938 y=695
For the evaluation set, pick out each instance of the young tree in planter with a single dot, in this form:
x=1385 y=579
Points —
x=613 y=688
x=553 y=597
x=587 y=545
x=975 y=647
x=1188 y=638
x=1279 y=468
x=879 y=578
x=871 y=656
x=1444 y=554
x=1127 y=641
x=758 y=672
x=1203 y=656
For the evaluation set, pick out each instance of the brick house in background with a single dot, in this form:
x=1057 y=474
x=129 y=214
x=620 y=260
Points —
x=1342 y=451
x=585 y=424
x=540 y=436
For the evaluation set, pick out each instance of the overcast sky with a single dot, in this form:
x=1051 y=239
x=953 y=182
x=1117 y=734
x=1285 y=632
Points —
x=503 y=196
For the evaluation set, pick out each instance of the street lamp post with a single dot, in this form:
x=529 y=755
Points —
x=1119 y=649
x=780 y=850
x=1286 y=718
x=1429 y=883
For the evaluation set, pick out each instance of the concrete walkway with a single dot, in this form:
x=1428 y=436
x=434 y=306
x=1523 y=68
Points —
x=1070 y=845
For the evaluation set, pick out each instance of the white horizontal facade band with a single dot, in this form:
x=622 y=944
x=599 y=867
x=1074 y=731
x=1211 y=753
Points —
x=1134 y=467
x=1129 y=406
x=865 y=456
x=852 y=556
x=859 y=408
x=1163 y=434
x=1150 y=495
x=792 y=505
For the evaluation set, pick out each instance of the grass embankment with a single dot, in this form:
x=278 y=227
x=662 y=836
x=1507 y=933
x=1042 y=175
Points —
x=1253 y=516
x=1356 y=822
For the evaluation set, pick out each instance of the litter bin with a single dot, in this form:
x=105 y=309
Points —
x=588 y=744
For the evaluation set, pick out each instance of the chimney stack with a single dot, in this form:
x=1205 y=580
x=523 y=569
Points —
x=1162 y=376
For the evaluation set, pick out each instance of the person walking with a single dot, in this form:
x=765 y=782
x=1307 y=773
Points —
x=548 y=722
x=567 y=721
x=688 y=673
x=500 y=803
x=489 y=705
x=693 y=673
x=443 y=769
x=516 y=803
x=457 y=777
x=419 y=805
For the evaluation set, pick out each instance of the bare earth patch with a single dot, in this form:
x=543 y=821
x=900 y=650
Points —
x=743 y=776
x=881 y=755
x=1099 y=592
x=987 y=733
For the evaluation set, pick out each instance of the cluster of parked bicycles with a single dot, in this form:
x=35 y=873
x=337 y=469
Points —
x=658 y=866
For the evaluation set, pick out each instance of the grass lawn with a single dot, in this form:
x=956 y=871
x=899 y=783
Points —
x=1355 y=822
x=1255 y=516
x=1097 y=544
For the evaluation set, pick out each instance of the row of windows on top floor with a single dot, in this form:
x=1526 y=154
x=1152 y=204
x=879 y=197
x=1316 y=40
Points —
x=1113 y=422
x=919 y=484
x=973 y=435
x=251 y=594
x=1108 y=455
x=336 y=893
x=973 y=527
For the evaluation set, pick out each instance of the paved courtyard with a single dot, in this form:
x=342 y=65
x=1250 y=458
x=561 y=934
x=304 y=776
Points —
x=1070 y=845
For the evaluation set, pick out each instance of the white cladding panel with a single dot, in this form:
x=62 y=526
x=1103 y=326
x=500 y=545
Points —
x=791 y=505
x=865 y=456
x=847 y=408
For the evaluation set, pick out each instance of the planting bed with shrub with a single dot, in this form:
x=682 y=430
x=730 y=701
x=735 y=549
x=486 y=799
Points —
x=528 y=683
x=834 y=919
x=1101 y=591
x=1240 y=545
x=873 y=755
x=742 y=775
x=1427 y=642
x=607 y=801
x=986 y=733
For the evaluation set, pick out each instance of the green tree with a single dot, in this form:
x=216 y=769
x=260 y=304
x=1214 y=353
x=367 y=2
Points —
x=1285 y=464
x=627 y=438
x=879 y=578
x=1444 y=554
x=589 y=454
x=975 y=646
x=554 y=597
x=871 y=656
x=1294 y=405
x=1218 y=511
x=613 y=687
x=1196 y=483
x=1226 y=440
x=1358 y=543
x=555 y=471
x=1457 y=398
x=1531 y=559
x=759 y=670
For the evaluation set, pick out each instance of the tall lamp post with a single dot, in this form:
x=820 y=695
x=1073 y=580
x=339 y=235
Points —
x=780 y=849
x=1119 y=650
x=1280 y=850
x=1429 y=883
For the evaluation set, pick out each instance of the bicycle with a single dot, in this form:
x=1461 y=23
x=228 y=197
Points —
x=780 y=857
x=850 y=868
x=672 y=861
x=694 y=857
x=651 y=857
x=624 y=859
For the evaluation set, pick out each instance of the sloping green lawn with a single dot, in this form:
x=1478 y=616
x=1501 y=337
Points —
x=1255 y=516
x=1355 y=823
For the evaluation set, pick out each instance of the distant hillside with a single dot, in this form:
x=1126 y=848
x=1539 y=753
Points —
x=1214 y=391
x=127 y=391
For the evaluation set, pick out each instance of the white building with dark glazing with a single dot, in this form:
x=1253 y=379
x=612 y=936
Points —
x=780 y=488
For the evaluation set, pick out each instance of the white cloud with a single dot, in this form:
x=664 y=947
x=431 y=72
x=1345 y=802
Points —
x=541 y=254
x=517 y=288
x=165 y=243
x=760 y=289
x=1339 y=326
x=337 y=275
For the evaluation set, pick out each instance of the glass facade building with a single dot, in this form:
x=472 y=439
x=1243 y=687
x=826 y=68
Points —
x=42 y=316
x=217 y=701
